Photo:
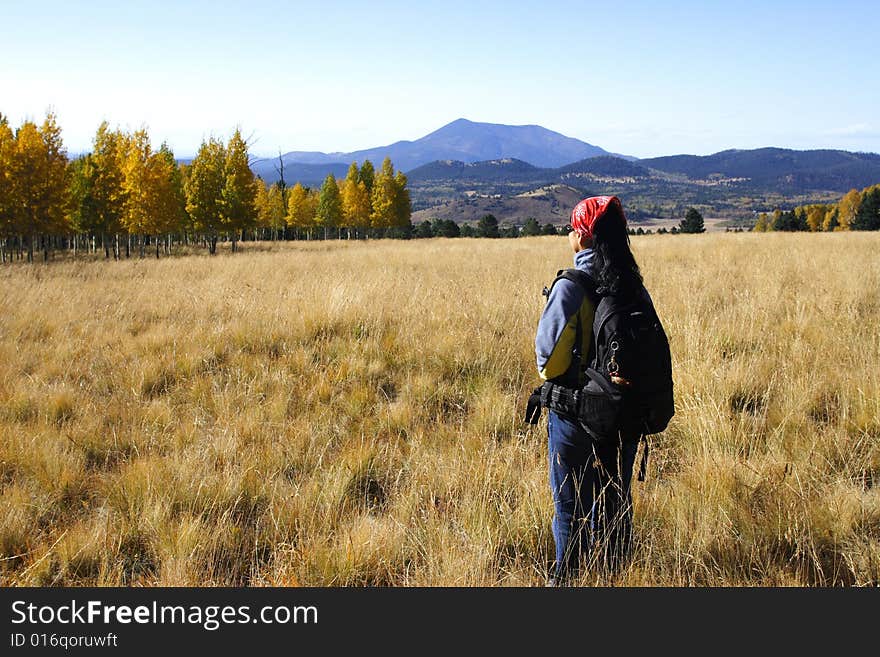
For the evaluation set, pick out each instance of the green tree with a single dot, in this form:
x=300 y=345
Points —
x=402 y=202
x=487 y=226
x=328 y=214
x=692 y=222
x=531 y=227
x=424 y=230
x=868 y=215
x=791 y=221
x=367 y=175
x=108 y=153
x=83 y=212
x=169 y=210
x=238 y=209
x=204 y=190
x=549 y=229
x=446 y=228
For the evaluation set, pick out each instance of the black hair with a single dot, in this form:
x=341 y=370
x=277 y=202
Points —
x=615 y=268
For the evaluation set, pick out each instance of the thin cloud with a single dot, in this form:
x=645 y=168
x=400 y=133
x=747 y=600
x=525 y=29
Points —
x=854 y=130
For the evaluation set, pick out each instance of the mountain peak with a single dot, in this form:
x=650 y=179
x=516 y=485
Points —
x=463 y=140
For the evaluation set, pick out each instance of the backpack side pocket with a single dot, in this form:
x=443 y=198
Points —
x=601 y=406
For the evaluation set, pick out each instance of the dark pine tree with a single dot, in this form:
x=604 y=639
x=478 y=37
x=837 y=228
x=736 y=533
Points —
x=868 y=216
x=531 y=227
x=692 y=222
x=487 y=226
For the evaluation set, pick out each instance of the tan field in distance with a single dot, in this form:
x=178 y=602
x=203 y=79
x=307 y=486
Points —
x=350 y=413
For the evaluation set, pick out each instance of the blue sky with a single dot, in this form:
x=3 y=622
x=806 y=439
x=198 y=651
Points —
x=641 y=78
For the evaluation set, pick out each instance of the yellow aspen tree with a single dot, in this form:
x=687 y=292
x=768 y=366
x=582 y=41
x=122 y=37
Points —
x=847 y=209
x=277 y=212
x=167 y=201
x=27 y=170
x=57 y=199
x=312 y=200
x=38 y=174
x=301 y=209
x=355 y=201
x=261 y=203
x=351 y=176
x=830 y=221
x=816 y=217
x=138 y=186
x=383 y=197
x=7 y=202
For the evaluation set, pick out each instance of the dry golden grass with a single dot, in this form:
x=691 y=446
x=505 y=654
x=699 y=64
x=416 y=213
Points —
x=350 y=413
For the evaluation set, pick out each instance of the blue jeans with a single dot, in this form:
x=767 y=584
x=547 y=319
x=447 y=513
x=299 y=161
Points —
x=590 y=481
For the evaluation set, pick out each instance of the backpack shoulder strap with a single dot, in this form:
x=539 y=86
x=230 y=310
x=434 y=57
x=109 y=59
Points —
x=580 y=278
x=584 y=281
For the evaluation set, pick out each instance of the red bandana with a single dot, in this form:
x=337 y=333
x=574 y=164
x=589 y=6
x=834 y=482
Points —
x=588 y=211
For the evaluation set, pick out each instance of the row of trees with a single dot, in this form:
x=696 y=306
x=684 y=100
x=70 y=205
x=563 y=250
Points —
x=366 y=203
x=33 y=184
x=486 y=226
x=125 y=194
x=857 y=210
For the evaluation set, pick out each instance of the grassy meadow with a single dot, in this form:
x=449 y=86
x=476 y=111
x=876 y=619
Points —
x=349 y=413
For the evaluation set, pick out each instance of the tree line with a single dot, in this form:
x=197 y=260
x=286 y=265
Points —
x=857 y=210
x=367 y=203
x=125 y=195
x=486 y=226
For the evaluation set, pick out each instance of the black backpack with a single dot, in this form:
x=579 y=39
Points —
x=628 y=341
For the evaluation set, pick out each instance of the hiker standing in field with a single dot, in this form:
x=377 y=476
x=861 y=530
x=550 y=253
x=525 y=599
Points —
x=604 y=357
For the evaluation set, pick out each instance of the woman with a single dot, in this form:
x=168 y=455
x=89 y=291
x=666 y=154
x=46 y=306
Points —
x=590 y=479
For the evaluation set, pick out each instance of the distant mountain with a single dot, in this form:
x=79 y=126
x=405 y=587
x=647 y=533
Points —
x=466 y=167
x=731 y=184
x=508 y=169
x=605 y=165
x=512 y=188
x=551 y=203
x=778 y=168
x=462 y=140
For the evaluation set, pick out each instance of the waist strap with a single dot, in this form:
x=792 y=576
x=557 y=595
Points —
x=555 y=397
x=561 y=399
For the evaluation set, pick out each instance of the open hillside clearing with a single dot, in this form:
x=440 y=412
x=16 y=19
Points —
x=349 y=413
